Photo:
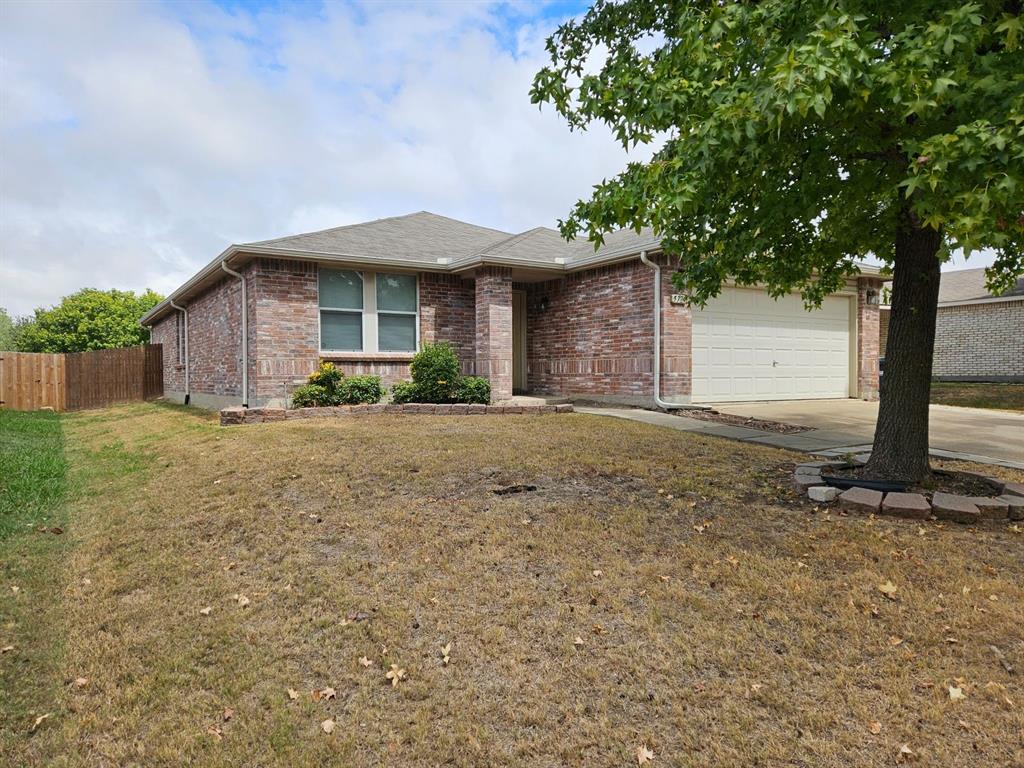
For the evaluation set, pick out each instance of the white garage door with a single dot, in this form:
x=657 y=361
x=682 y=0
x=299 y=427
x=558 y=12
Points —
x=748 y=346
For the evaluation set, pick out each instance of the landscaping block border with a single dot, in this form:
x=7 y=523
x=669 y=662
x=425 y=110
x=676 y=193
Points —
x=237 y=415
x=943 y=506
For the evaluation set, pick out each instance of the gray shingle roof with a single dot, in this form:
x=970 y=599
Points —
x=426 y=237
x=418 y=237
x=968 y=284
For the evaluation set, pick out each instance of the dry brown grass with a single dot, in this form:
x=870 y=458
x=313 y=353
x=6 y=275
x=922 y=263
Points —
x=729 y=623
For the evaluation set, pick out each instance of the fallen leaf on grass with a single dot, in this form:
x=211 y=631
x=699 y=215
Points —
x=643 y=755
x=905 y=753
x=888 y=589
x=327 y=726
x=81 y=682
x=206 y=611
x=578 y=641
x=875 y=727
x=597 y=574
x=15 y=590
x=323 y=694
x=293 y=694
x=895 y=641
x=395 y=675
x=216 y=732
x=446 y=653
x=7 y=649
x=956 y=694
x=365 y=661
x=242 y=600
x=39 y=721
x=228 y=713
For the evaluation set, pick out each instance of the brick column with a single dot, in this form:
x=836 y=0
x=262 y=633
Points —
x=676 y=338
x=494 y=329
x=867 y=338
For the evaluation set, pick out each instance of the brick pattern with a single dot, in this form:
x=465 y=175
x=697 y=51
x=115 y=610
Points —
x=448 y=313
x=592 y=333
x=494 y=329
x=165 y=332
x=676 y=342
x=980 y=340
x=262 y=415
x=867 y=338
x=215 y=347
x=285 y=320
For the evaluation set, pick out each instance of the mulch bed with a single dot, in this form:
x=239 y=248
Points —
x=742 y=421
x=945 y=481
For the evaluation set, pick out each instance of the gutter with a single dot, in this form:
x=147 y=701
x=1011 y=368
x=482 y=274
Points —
x=188 y=379
x=245 y=332
x=657 y=343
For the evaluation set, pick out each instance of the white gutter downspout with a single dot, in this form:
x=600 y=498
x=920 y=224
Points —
x=188 y=389
x=657 y=342
x=245 y=333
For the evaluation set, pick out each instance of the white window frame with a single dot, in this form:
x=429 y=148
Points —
x=369 y=313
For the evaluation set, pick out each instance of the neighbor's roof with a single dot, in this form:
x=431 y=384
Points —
x=425 y=241
x=969 y=285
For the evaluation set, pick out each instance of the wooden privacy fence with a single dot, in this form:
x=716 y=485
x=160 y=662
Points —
x=77 y=380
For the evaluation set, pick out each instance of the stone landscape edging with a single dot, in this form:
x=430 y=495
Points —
x=1008 y=505
x=261 y=415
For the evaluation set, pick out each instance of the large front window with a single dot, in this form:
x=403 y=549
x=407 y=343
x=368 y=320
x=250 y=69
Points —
x=367 y=311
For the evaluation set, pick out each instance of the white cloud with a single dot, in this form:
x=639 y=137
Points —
x=139 y=140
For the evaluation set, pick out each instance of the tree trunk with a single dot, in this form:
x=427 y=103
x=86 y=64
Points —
x=901 y=435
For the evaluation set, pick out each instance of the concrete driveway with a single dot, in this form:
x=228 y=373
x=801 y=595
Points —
x=972 y=432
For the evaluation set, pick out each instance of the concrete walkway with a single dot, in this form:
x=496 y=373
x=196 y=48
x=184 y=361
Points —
x=847 y=426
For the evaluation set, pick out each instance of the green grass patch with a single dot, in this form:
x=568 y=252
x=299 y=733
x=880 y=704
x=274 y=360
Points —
x=33 y=470
x=33 y=491
x=1004 y=397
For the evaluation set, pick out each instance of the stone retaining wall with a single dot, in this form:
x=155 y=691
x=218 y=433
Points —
x=232 y=416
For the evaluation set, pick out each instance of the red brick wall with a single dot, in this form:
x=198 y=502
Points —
x=676 y=343
x=448 y=313
x=286 y=325
x=494 y=329
x=867 y=338
x=165 y=332
x=593 y=333
x=215 y=346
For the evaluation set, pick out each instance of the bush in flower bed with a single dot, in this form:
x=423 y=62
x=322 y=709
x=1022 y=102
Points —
x=329 y=386
x=436 y=379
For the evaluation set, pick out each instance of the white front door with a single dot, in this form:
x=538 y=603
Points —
x=749 y=346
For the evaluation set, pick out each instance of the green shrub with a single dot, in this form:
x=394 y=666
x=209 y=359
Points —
x=435 y=372
x=328 y=376
x=403 y=392
x=354 y=390
x=472 y=389
x=311 y=396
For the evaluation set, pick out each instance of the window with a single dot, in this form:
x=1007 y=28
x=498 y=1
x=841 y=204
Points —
x=367 y=312
x=396 y=313
x=341 y=310
x=180 y=337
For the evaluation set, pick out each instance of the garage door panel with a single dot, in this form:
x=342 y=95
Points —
x=748 y=346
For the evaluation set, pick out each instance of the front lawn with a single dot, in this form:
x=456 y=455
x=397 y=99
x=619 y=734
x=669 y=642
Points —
x=1007 y=397
x=654 y=589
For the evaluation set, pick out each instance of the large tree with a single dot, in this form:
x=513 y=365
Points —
x=797 y=136
x=88 y=319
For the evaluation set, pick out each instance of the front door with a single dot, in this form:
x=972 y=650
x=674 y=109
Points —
x=518 y=342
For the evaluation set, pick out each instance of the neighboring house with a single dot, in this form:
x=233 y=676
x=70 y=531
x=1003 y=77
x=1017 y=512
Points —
x=529 y=311
x=978 y=336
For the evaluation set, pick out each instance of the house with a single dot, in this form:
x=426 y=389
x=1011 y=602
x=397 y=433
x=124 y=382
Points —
x=529 y=311
x=978 y=336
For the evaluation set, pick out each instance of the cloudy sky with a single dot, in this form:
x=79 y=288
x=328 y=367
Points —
x=139 y=140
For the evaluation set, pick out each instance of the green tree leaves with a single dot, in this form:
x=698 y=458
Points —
x=88 y=319
x=795 y=132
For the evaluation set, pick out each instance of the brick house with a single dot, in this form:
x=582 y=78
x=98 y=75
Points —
x=529 y=311
x=978 y=336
